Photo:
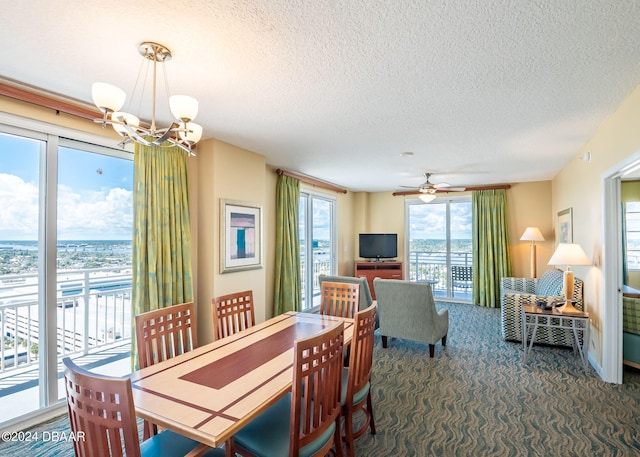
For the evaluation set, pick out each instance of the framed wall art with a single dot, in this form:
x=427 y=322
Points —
x=565 y=226
x=241 y=236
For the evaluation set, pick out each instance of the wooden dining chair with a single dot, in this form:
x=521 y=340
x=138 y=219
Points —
x=306 y=421
x=101 y=410
x=232 y=313
x=339 y=299
x=162 y=334
x=356 y=379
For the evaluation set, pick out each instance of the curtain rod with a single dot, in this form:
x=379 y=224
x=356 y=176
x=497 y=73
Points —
x=46 y=99
x=313 y=181
x=444 y=190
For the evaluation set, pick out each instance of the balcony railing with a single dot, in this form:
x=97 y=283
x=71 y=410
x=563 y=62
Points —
x=431 y=266
x=93 y=310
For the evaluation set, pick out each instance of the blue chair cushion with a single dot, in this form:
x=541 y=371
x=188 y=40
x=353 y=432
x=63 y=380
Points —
x=268 y=434
x=550 y=283
x=357 y=398
x=170 y=444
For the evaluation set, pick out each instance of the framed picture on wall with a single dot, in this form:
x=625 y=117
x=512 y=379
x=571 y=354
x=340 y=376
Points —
x=565 y=226
x=241 y=236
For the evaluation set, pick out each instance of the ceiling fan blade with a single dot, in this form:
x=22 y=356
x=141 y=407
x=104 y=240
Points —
x=451 y=189
x=440 y=185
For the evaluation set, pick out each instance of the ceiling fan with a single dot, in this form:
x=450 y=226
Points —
x=428 y=190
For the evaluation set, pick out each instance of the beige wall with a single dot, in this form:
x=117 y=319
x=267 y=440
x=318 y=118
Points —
x=50 y=116
x=579 y=186
x=225 y=172
x=529 y=206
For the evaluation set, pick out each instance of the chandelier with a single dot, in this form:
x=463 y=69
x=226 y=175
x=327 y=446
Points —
x=109 y=99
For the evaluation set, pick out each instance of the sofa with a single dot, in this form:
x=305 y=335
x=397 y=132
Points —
x=407 y=310
x=516 y=292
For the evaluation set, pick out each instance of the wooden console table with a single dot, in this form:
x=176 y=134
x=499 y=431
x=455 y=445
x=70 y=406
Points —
x=383 y=270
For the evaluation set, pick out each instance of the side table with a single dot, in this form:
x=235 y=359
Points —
x=534 y=317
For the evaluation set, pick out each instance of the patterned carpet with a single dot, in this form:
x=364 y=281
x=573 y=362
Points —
x=475 y=398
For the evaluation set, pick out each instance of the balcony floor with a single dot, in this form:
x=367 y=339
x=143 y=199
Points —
x=19 y=388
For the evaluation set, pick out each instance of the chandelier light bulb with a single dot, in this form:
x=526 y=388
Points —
x=194 y=134
x=107 y=97
x=183 y=107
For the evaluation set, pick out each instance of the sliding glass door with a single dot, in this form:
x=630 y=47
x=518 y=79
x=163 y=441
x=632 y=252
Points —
x=317 y=223
x=440 y=248
x=65 y=262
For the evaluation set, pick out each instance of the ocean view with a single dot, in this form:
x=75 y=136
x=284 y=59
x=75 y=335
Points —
x=20 y=257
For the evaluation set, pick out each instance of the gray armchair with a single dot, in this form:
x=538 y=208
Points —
x=407 y=310
x=365 y=294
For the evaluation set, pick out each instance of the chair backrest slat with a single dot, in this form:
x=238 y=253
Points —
x=361 y=357
x=461 y=273
x=339 y=299
x=232 y=313
x=102 y=408
x=164 y=333
x=317 y=380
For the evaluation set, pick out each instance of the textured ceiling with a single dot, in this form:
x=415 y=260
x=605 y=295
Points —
x=481 y=92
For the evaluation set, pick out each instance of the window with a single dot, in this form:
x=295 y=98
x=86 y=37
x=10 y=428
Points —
x=317 y=223
x=65 y=244
x=632 y=234
x=439 y=237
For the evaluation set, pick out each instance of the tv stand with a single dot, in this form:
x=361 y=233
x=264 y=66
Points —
x=378 y=269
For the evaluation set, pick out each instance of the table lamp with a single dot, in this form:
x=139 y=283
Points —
x=569 y=254
x=532 y=234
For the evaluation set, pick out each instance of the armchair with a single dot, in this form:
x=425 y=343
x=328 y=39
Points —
x=366 y=299
x=407 y=310
x=516 y=292
x=365 y=294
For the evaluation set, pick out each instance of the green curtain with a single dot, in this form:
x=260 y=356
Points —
x=162 y=273
x=287 y=269
x=491 y=254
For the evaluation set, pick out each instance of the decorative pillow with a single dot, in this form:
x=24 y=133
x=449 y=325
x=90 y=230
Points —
x=550 y=283
x=631 y=315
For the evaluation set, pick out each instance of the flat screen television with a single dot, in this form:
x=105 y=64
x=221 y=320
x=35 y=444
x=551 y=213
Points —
x=378 y=245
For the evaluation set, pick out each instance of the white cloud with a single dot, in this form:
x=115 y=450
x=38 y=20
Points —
x=104 y=214
x=18 y=208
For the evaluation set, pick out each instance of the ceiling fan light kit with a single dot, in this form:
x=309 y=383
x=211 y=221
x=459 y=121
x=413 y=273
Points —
x=110 y=99
x=427 y=190
x=427 y=197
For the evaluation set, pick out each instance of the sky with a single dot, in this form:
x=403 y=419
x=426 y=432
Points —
x=428 y=221
x=95 y=193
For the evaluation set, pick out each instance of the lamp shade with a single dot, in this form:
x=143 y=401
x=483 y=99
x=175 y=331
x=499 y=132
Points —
x=183 y=107
x=569 y=254
x=427 y=197
x=532 y=234
x=107 y=97
x=194 y=134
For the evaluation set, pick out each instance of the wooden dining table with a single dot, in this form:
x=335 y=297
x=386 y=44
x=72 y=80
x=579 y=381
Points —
x=211 y=392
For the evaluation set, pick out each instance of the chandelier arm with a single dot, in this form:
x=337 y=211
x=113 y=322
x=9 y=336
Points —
x=184 y=146
x=166 y=136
